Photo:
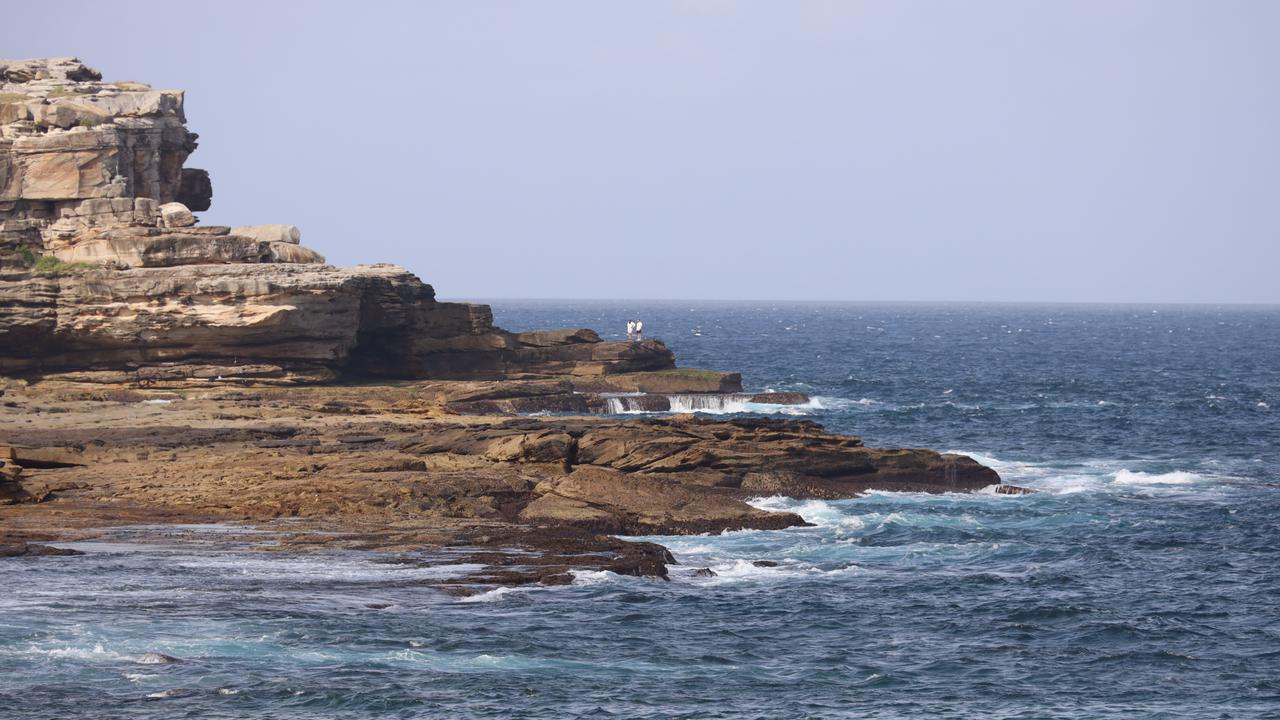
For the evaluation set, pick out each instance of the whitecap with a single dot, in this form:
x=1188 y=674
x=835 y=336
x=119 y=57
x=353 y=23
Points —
x=823 y=402
x=1176 y=477
x=171 y=693
x=737 y=570
x=594 y=577
x=816 y=512
x=488 y=596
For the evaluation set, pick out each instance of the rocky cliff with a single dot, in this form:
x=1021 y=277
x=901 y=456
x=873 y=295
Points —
x=106 y=274
x=155 y=342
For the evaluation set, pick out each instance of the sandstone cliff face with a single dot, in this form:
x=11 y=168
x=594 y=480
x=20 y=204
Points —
x=106 y=274
x=272 y=322
x=77 y=154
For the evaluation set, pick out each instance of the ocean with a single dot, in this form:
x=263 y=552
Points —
x=1142 y=580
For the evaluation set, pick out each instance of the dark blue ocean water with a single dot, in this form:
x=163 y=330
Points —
x=1142 y=581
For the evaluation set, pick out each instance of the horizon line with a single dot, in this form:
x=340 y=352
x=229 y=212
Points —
x=1199 y=303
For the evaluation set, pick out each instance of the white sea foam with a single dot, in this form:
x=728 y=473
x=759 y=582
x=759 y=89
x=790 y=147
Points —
x=95 y=653
x=817 y=512
x=488 y=596
x=823 y=402
x=594 y=577
x=837 y=514
x=1095 y=475
x=730 y=571
x=1177 y=477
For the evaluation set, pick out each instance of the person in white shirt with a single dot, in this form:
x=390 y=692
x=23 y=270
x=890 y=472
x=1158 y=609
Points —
x=631 y=330
x=639 y=330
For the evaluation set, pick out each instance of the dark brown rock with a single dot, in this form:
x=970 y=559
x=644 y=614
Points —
x=635 y=504
x=195 y=189
x=668 y=381
x=34 y=550
x=553 y=338
x=780 y=398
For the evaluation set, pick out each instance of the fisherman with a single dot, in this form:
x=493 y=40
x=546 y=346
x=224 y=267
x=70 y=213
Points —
x=631 y=330
x=639 y=330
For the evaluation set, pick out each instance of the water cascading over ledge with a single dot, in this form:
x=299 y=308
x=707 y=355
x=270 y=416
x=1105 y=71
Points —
x=709 y=403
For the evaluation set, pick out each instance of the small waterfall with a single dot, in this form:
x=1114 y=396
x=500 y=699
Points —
x=708 y=403
x=622 y=404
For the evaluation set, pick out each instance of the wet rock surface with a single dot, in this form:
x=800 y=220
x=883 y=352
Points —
x=390 y=467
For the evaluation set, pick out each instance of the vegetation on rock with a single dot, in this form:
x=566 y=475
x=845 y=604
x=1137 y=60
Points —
x=51 y=266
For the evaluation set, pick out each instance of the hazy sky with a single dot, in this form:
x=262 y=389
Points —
x=1097 y=151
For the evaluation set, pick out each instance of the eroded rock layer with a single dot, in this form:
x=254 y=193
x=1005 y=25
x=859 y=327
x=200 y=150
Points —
x=106 y=274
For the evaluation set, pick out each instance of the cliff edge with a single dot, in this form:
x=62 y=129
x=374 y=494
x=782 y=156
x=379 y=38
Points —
x=107 y=275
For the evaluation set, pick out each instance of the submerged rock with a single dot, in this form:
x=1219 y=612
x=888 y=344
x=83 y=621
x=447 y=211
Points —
x=155 y=658
x=34 y=550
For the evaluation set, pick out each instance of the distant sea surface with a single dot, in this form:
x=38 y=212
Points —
x=1141 y=581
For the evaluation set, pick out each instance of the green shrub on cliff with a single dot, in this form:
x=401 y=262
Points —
x=51 y=266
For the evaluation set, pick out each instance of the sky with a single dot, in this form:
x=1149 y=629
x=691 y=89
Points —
x=1091 y=151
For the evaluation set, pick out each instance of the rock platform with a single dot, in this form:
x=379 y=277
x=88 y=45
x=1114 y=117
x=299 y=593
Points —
x=156 y=370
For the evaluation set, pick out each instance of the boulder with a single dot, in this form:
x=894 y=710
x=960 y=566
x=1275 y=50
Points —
x=270 y=233
x=195 y=189
x=176 y=215
x=283 y=252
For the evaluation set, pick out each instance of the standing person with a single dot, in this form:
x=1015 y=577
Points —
x=631 y=330
x=639 y=330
